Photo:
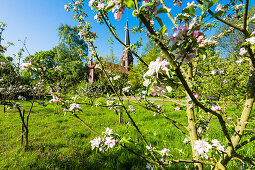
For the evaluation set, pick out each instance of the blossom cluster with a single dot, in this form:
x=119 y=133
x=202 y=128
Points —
x=106 y=142
x=202 y=147
x=156 y=68
x=55 y=100
x=74 y=106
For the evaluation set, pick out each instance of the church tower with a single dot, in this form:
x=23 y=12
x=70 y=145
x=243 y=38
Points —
x=126 y=59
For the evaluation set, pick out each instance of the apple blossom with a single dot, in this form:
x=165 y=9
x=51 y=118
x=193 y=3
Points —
x=95 y=142
x=177 y=108
x=217 y=144
x=149 y=166
x=186 y=140
x=108 y=131
x=243 y=51
x=216 y=108
x=116 y=77
x=251 y=40
x=165 y=152
x=190 y=4
x=110 y=142
x=109 y=103
x=24 y=66
x=75 y=106
x=131 y=108
x=202 y=147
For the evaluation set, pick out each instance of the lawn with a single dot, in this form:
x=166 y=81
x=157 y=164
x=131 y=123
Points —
x=61 y=141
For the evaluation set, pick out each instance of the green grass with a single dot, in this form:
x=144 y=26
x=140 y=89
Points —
x=58 y=141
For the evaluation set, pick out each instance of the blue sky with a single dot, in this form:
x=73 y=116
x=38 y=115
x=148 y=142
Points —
x=38 y=20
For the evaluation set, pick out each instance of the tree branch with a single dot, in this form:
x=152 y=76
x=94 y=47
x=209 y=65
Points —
x=245 y=142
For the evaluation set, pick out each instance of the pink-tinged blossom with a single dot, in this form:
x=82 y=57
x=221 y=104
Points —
x=217 y=144
x=177 y=108
x=149 y=166
x=126 y=89
x=251 y=40
x=75 y=106
x=186 y=140
x=144 y=3
x=77 y=3
x=157 y=66
x=240 y=61
x=216 y=108
x=200 y=38
x=154 y=114
x=165 y=152
x=131 y=108
x=191 y=106
x=96 y=142
x=158 y=90
x=221 y=71
x=108 y=131
x=202 y=148
x=146 y=82
x=149 y=148
x=213 y=72
x=116 y=77
x=190 y=4
x=96 y=17
x=195 y=33
x=199 y=131
x=243 y=51
x=91 y=2
x=74 y=8
x=159 y=106
x=109 y=103
x=240 y=6
x=220 y=8
x=55 y=100
x=196 y=96
x=100 y=6
x=110 y=142
x=66 y=7
x=24 y=66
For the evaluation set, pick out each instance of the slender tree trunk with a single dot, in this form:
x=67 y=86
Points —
x=193 y=133
x=120 y=116
x=191 y=121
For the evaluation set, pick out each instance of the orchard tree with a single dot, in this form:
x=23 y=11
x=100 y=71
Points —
x=182 y=52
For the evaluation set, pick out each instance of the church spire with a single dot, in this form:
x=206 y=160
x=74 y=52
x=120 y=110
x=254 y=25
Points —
x=127 y=40
x=127 y=58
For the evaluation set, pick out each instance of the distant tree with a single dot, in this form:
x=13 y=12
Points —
x=230 y=43
x=71 y=56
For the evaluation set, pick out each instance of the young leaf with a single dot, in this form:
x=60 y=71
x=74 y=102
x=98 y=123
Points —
x=159 y=21
x=129 y=4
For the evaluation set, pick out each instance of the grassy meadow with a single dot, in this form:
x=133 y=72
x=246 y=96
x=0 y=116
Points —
x=61 y=141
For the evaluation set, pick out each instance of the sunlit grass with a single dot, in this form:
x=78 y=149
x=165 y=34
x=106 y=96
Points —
x=60 y=141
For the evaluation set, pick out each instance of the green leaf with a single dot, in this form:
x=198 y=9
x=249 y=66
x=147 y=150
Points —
x=129 y=4
x=253 y=47
x=212 y=3
x=219 y=13
x=109 y=8
x=149 y=88
x=159 y=21
x=162 y=30
x=162 y=10
x=189 y=10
